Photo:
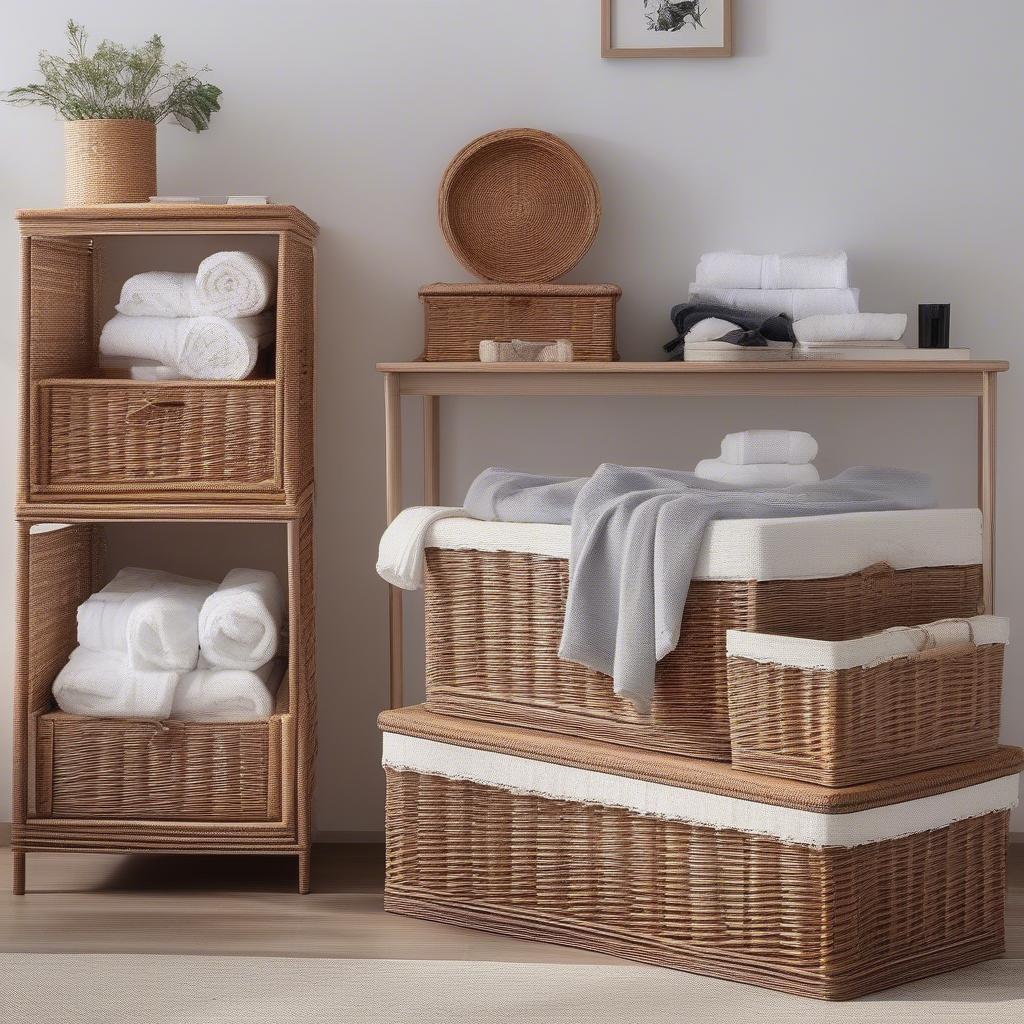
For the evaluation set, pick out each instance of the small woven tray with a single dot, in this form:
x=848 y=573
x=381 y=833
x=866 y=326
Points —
x=518 y=205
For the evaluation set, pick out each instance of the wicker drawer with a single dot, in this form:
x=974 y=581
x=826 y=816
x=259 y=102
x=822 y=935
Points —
x=459 y=317
x=866 y=709
x=102 y=437
x=159 y=771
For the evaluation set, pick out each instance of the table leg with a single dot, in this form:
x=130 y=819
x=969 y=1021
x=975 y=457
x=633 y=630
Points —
x=431 y=450
x=393 y=471
x=987 y=483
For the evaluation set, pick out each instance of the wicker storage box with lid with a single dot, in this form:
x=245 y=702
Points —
x=840 y=713
x=693 y=865
x=518 y=208
x=495 y=600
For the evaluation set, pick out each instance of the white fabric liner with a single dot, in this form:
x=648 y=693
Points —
x=806 y=547
x=866 y=651
x=653 y=799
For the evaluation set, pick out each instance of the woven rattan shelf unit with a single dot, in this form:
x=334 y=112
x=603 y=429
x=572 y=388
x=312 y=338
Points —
x=96 y=451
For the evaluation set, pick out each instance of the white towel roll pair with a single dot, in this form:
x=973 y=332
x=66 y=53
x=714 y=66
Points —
x=160 y=622
x=228 y=284
x=102 y=684
x=200 y=347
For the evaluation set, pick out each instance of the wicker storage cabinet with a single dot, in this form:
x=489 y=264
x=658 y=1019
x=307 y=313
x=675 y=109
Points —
x=495 y=600
x=101 y=440
x=840 y=714
x=693 y=865
x=460 y=316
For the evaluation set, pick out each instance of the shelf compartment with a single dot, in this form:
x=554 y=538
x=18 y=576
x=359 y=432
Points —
x=89 y=438
x=114 y=436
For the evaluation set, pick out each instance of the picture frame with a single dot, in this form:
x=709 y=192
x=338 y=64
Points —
x=639 y=28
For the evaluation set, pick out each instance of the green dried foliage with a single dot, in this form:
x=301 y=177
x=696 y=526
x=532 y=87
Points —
x=117 y=81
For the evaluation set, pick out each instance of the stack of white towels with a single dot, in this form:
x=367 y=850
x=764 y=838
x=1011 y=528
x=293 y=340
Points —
x=210 y=325
x=155 y=645
x=763 y=458
x=812 y=290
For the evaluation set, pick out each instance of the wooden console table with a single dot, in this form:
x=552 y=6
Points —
x=973 y=378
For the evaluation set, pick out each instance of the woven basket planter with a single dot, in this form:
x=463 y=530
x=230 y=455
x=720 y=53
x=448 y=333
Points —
x=494 y=617
x=696 y=866
x=109 y=161
x=841 y=714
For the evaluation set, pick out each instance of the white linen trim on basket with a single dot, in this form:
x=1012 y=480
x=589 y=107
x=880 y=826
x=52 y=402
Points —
x=807 y=547
x=865 y=651
x=655 y=799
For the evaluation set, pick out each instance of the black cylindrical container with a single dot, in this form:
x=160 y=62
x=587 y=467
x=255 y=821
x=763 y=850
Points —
x=933 y=325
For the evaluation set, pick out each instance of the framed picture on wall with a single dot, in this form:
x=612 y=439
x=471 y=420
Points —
x=666 y=28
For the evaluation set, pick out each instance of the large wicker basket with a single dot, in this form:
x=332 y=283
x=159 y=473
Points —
x=494 y=616
x=460 y=316
x=840 y=714
x=697 y=866
x=109 y=161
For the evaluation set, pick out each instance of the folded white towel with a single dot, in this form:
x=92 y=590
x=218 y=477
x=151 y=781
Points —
x=726 y=352
x=400 y=556
x=756 y=447
x=746 y=270
x=104 y=685
x=227 y=694
x=139 y=369
x=241 y=621
x=867 y=329
x=149 y=617
x=517 y=351
x=766 y=474
x=796 y=303
x=228 y=284
x=202 y=347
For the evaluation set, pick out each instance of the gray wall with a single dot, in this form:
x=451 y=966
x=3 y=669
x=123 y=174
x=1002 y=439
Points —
x=889 y=128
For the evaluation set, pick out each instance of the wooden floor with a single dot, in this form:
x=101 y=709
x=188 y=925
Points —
x=248 y=906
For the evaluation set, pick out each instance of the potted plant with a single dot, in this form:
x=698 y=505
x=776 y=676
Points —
x=111 y=102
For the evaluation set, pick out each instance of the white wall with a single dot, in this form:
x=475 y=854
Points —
x=889 y=128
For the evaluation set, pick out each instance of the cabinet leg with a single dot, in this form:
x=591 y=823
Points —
x=18 y=872
x=304 y=859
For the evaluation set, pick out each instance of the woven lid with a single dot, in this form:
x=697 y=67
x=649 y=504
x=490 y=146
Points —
x=518 y=205
x=694 y=773
x=497 y=288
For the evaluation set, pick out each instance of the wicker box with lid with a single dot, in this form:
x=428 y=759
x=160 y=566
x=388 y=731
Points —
x=518 y=208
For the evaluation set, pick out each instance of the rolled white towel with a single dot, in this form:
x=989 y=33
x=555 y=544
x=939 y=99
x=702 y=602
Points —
x=241 y=621
x=102 y=684
x=516 y=351
x=747 y=270
x=757 y=447
x=866 y=329
x=234 y=284
x=227 y=694
x=202 y=347
x=796 y=303
x=149 y=617
x=770 y=474
x=228 y=284
x=712 y=328
x=400 y=555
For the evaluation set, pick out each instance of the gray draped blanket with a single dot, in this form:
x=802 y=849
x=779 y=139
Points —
x=636 y=536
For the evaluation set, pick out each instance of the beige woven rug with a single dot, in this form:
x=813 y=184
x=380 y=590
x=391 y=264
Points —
x=102 y=988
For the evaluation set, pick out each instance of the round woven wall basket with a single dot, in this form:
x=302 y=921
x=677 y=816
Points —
x=109 y=161
x=519 y=205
